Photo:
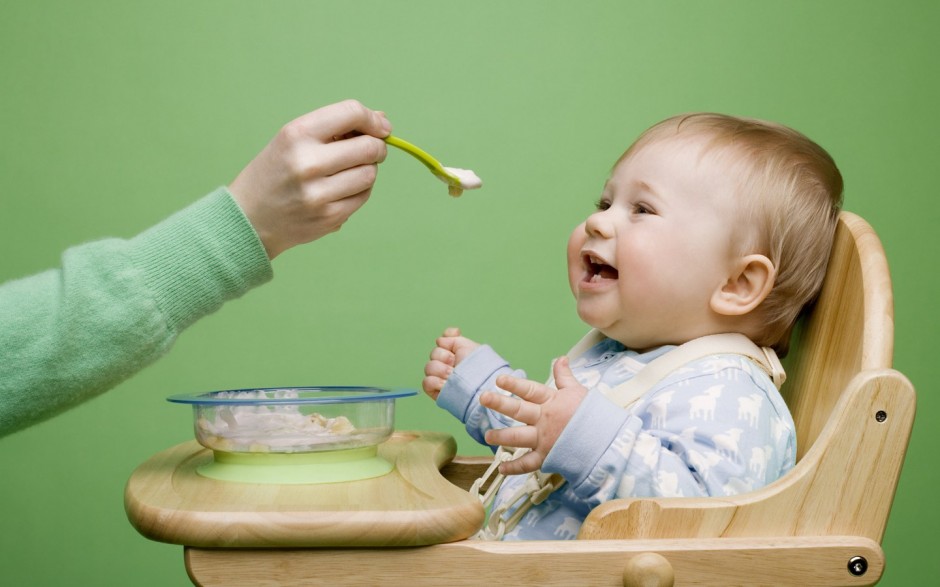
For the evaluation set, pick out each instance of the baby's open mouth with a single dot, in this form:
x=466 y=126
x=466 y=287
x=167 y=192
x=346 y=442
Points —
x=597 y=269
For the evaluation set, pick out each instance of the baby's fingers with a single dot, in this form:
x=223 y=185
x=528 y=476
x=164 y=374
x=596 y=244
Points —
x=563 y=374
x=514 y=436
x=527 y=390
x=530 y=461
x=517 y=409
x=438 y=369
x=437 y=373
x=432 y=386
x=448 y=343
x=449 y=338
x=443 y=355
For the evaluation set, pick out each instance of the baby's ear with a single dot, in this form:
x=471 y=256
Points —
x=750 y=282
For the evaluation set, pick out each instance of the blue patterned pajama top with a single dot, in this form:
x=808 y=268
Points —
x=714 y=427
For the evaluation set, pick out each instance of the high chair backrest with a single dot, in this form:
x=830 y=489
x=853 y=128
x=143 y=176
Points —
x=849 y=329
x=853 y=416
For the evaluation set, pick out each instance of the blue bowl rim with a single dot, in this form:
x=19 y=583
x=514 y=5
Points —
x=352 y=394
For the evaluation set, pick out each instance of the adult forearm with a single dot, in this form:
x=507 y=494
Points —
x=115 y=306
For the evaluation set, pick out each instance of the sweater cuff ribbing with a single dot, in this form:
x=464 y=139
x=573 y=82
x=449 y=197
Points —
x=200 y=257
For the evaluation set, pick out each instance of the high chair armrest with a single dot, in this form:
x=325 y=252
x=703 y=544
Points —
x=844 y=485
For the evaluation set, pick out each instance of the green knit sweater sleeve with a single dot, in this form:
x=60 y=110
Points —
x=115 y=306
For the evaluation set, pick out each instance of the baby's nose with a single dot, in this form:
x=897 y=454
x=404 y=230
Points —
x=599 y=225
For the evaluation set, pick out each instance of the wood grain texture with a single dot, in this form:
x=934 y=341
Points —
x=800 y=562
x=853 y=413
x=166 y=500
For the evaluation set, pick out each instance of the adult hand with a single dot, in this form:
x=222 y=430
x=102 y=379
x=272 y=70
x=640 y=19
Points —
x=544 y=411
x=317 y=171
x=451 y=349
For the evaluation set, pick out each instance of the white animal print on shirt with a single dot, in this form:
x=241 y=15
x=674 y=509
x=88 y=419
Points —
x=716 y=426
x=667 y=484
x=623 y=444
x=702 y=407
x=749 y=408
x=734 y=486
x=727 y=444
x=760 y=456
x=703 y=462
x=568 y=529
x=658 y=408
x=626 y=366
x=779 y=428
x=647 y=448
x=627 y=483
x=589 y=378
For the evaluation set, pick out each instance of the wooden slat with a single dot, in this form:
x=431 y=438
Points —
x=802 y=562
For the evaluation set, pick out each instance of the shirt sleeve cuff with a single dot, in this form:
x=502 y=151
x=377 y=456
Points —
x=468 y=379
x=596 y=424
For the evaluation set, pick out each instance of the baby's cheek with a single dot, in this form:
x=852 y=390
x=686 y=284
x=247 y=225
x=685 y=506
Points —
x=575 y=243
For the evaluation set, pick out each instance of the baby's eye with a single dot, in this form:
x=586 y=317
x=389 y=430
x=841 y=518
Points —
x=640 y=208
x=602 y=204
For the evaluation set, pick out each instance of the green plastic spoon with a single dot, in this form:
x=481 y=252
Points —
x=456 y=179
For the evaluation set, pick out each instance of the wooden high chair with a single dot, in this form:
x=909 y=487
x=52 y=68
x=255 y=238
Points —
x=821 y=524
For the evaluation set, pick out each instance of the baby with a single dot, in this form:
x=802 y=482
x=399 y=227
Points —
x=709 y=224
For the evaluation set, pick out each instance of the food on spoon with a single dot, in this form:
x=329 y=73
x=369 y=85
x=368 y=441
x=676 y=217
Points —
x=468 y=181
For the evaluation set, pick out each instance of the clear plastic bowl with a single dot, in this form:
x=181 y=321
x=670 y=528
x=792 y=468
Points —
x=293 y=419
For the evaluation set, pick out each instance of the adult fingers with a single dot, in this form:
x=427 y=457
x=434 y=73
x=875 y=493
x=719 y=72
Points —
x=340 y=119
x=354 y=184
x=324 y=214
x=313 y=160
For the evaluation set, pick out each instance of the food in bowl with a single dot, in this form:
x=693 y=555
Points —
x=293 y=419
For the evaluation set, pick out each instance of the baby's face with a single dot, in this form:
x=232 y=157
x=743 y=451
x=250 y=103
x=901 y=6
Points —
x=644 y=266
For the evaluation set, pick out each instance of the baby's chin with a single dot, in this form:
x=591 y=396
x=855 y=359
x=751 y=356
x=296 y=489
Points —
x=603 y=326
x=589 y=318
x=632 y=340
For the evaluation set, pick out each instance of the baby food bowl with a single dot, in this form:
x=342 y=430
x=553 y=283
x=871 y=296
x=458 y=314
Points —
x=292 y=435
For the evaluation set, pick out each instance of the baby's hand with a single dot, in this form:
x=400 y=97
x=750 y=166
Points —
x=544 y=410
x=451 y=349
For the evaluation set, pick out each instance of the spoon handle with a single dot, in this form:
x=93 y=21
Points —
x=422 y=156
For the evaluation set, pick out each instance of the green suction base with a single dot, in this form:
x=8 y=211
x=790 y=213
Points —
x=333 y=466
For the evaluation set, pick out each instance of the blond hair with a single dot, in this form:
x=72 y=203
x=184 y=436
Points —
x=790 y=192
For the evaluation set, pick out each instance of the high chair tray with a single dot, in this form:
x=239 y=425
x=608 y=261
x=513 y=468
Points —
x=168 y=501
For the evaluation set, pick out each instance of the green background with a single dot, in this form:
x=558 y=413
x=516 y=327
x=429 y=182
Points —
x=115 y=114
